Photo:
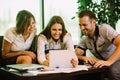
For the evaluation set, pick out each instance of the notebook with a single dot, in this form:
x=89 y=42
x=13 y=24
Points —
x=60 y=58
x=25 y=67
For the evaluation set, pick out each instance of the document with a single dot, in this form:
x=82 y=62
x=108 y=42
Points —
x=59 y=70
x=69 y=70
x=25 y=67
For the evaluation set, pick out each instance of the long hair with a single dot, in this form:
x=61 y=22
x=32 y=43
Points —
x=23 y=20
x=54 y=20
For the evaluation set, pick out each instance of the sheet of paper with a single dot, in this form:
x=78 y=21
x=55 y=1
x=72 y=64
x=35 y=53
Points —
x=59 y=70
x=69 y=70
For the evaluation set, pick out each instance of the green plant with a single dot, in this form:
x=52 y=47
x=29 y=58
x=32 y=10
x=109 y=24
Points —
x=107 y=11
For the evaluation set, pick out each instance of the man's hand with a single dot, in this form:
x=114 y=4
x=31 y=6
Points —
x=101 y=63
x=92 y=61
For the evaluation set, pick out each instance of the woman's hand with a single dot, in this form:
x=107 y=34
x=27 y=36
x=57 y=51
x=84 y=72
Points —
x=29 y=53
x=46 y=62
x=47 y=56
x=74 y=62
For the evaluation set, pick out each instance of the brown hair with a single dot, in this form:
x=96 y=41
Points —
x=22 y=20
x=53 y=20
x=88 y=13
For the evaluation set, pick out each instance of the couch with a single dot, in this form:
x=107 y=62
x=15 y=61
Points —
x=1 y=61
x=32 y=48
x=1 y=40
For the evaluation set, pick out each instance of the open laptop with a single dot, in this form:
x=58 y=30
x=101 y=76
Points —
x=60 y=58
x=25 y=67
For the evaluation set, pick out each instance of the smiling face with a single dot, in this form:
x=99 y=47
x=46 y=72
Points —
x=87 y=26
x=30 y=28
x=56 y=31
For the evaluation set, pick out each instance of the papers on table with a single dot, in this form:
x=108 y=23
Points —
x=59 y=70
x=25 y=67
x=48 y=70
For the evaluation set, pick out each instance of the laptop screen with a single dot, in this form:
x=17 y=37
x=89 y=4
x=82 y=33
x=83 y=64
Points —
x=60 y=58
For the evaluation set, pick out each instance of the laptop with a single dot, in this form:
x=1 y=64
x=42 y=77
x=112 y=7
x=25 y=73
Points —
x=60 y=58
x=25 y=67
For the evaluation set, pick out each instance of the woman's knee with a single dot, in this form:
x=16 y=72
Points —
x=24 y=60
